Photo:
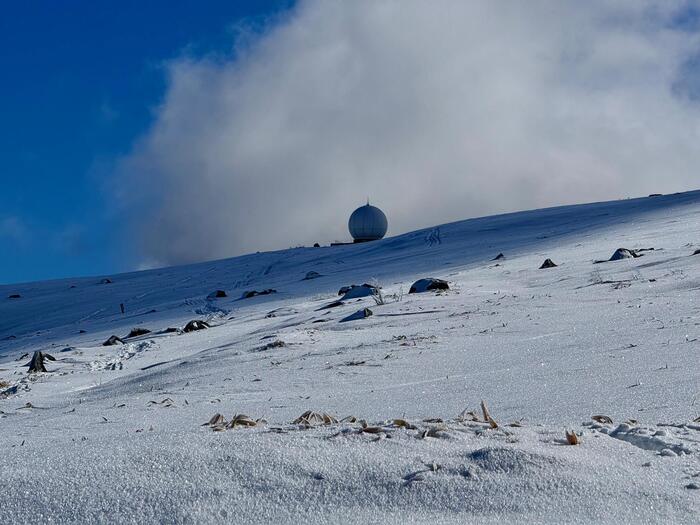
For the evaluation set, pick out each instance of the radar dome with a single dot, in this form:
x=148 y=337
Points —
x=367 y=223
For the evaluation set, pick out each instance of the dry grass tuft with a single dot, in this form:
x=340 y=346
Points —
x=311 y=419
x=572 y=438
x=371 y=430
x=241 y=420
x=218 y=422
x=433 y=432
x=487 y=417
x=402 y=423
x=4 y=384
x=467 y=415
x=216 y=419
x=165 y=403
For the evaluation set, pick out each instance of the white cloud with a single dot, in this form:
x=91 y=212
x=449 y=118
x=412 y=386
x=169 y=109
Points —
x=436 y=110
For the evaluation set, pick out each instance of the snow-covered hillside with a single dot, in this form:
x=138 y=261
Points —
x=114 y=433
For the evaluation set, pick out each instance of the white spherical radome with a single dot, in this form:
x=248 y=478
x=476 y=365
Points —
x=367 y=223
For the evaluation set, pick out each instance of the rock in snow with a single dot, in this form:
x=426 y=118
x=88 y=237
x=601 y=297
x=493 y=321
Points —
x=113 y=340
x=136 y=332
x=360 y=314
x=37 y=362
x=254 y=293
x=195 y=325
x=355 y=292
x=426 y=285
x=548 y=263
x=624 y=253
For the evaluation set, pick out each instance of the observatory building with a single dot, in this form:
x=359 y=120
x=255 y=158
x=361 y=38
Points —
x=367 y=223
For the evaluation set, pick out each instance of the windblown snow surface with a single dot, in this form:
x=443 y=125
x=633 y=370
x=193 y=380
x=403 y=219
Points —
x=116 y=434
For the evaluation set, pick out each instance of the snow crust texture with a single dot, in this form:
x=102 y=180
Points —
x=204 y=426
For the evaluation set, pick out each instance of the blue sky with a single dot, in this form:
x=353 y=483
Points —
x=132 y=135
x=80 y=80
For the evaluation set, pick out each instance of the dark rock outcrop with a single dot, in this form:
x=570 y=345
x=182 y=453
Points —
x=355 y=292
x=624 y=253
x=548 y=263
x=218 y=294
x=113 y=340
x=428 y=284
x=136 y=332
x=254 y=293
x=37 y=363
x=195 y=325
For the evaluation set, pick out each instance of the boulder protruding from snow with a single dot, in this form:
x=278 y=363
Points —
x=113 y=340
x=311 y=275
x=218 y=294
x=624 y=253
x=355 y=292
x=360 y=314
x=499 y=257
x=254 y=293
x=136 y=332
x=37 y=362
x=14 y=296
x=428 y=284
x=106 y=281
x=548 y=263
x=195 y=325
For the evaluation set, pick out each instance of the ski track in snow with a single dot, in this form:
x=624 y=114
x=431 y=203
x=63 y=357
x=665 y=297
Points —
x=114 y=433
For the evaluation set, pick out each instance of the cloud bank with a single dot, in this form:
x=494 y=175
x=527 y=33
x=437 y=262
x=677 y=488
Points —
x=437 y=111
